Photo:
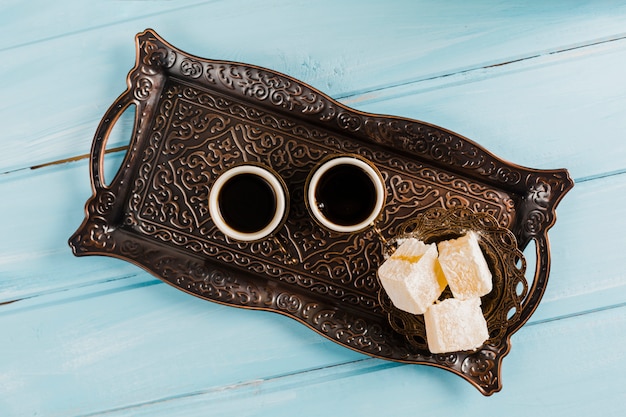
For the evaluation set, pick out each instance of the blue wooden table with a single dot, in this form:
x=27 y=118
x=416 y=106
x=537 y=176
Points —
x=539 y=84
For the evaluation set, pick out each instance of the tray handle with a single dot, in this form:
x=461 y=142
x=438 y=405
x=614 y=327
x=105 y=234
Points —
x=540 y=280
x=112 y=115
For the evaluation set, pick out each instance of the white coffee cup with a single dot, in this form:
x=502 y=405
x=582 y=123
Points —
x=248 y=202
x=345 y=193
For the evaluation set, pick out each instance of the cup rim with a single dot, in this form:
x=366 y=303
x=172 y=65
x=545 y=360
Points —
x=277 y=185
x=322 y=167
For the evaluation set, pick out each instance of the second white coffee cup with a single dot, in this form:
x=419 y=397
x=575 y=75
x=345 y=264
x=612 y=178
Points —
x=345 y=193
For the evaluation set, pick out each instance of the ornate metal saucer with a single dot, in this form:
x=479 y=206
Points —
x=502 y=307
x=196 y=117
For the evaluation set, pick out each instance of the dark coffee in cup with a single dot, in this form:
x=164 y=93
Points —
x=345 y=193
x=248 y=202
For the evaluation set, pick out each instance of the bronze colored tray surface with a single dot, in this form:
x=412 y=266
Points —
x=196 y=117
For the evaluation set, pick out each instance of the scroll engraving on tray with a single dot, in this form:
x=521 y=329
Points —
x=199 y=134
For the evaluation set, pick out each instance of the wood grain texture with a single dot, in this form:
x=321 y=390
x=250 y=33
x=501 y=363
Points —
x=150 y=350
x=127 y=341
x=371 y=387
x=346 y=58
x=540 y=85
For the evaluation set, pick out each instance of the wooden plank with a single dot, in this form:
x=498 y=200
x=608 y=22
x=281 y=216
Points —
x=44 y=208
x=551 y=372
x=107 y=346
x=70 y=96
x=587 y=261
x=150 y=350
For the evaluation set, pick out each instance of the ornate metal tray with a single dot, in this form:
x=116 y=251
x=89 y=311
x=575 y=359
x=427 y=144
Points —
x=197 y=117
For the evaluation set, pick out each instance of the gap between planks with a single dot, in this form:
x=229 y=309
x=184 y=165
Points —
x=77 y=292
x=105 y=25
x=577 y=314
x=77 y=158
x=270 y=384
x=525 y=62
